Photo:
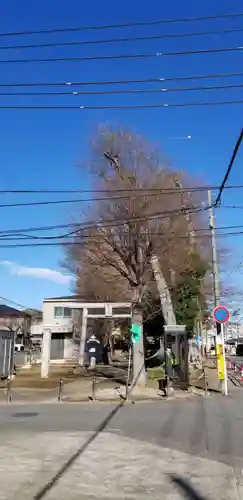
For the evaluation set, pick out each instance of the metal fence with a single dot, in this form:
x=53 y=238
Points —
x=6 y=353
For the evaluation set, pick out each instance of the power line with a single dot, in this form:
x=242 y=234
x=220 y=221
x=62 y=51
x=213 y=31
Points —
x=125 y=106
x=60 y=202
x=128 y=81
x=14 y=232
x=75 y=235
x=115 y=190
x=233 y=206
x=120 y=40
x=20 y=237
x=227 y=173
x=122 y=25
x=72 y=242
x=86 y=225
x=14 y=303
x=38 y=228
x=123 y=56
x=124 y=91
x=87 y=200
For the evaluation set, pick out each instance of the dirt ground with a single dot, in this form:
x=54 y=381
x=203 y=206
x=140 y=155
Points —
x=31 y=377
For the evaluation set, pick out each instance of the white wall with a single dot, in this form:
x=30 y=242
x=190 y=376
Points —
x=36 y=329
x=48 y=314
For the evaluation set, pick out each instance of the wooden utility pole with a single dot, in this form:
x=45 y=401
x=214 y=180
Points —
x=219 y=339
x=215 y=267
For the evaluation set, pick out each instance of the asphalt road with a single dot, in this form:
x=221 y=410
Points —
x=204 y=427
x=132 y=452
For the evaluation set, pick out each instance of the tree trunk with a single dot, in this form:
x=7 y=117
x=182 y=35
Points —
x=165 y=297
x=83 y=333
x=138 y=373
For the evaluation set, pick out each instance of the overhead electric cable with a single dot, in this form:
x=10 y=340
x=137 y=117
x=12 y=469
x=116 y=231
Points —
x=120 y=40
x=232 y=15
x=116 y=82
x=106 y=223
x=118 y=190
x=124 y=91
x=123 y=56
x=124 y=106
x=229 y=168
x=73 y=242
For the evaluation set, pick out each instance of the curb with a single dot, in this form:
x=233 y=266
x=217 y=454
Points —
x=88 y=401
x=96 y=401
x=215 y=391
x=130 y=400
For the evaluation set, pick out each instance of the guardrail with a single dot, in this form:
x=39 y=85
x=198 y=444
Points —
x=233 y=365
x=235 y=371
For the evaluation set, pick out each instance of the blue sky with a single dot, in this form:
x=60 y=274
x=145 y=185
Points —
x=41 y=149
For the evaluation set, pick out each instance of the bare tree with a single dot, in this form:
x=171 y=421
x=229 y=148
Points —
x=135 y=221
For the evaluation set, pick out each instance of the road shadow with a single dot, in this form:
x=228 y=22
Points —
x=48 y=486
x=186 y=488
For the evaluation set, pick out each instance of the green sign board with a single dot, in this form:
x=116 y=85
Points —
x=136 y=332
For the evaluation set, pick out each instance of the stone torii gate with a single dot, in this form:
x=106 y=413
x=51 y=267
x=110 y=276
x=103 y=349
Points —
x=107 y=310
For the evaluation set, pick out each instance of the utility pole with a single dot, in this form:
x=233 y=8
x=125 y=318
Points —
x=215 y=267
x=219 y=339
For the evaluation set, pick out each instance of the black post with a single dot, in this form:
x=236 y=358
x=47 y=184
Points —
x=9 y=395
x=59 y=397
x=93 y=388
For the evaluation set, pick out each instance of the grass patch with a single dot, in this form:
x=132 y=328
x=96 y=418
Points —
x=155 y=373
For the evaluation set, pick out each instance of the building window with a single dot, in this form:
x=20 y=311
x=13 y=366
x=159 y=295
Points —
x=58 y=312
x=62 y=312
x=96 y=311
x=67 y=312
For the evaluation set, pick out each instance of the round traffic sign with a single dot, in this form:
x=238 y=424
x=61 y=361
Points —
x=221 y=314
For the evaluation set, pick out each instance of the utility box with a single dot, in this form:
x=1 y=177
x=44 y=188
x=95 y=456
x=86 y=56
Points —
x=6 y=352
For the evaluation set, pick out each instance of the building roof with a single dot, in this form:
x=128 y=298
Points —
x=67 y=297
x=7 y=311
x=78 y=298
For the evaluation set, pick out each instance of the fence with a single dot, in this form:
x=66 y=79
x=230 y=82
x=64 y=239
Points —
x=6 y=353
x=234 y=371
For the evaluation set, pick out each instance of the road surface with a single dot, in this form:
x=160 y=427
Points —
x=142 y=451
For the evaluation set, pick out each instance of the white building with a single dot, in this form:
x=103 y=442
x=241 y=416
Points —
x=65 y=321
x=61 y=314
x=234 y=330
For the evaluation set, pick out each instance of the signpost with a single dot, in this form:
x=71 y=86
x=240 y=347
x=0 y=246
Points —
x=221 y=315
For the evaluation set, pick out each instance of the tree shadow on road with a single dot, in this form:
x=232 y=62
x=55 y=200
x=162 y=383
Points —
x=186 y=488
x=48 y=486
